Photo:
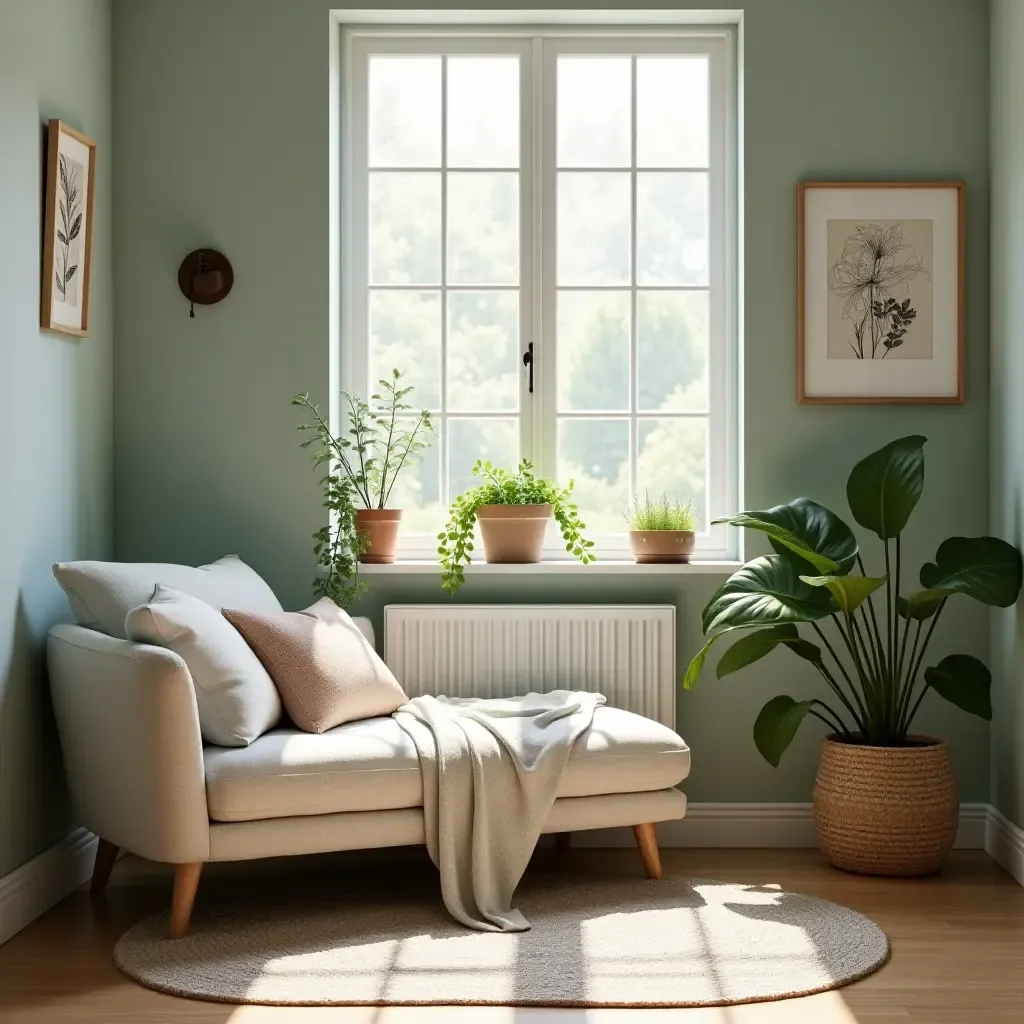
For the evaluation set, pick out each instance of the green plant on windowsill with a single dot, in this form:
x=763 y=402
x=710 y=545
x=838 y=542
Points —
x=513 y=537
x=663 y=513
x=362 y=469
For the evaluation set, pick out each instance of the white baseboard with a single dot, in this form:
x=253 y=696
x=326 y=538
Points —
x=765 y=826
x=29 y=891
x=1004 y=843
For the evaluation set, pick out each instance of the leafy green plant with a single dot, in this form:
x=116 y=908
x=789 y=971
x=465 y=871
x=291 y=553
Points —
x=501 y=487
x=382 y=439
x=810 y=579
x=663 y=513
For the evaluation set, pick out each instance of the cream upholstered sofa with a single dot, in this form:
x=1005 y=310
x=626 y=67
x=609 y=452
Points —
x=142 y=779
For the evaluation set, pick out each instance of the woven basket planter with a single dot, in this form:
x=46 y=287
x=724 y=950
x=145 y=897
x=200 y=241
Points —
x=886 y=810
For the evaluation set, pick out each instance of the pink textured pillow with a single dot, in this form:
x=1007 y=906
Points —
x=323 y=667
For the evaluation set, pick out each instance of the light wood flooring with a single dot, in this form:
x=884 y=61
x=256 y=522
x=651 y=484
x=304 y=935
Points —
x=957 y=938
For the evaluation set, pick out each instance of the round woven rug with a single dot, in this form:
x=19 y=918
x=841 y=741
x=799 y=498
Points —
x=594 y=941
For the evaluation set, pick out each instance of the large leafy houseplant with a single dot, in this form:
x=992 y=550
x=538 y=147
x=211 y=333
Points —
x=362 y=468
x=875 y=684
x=501 y=487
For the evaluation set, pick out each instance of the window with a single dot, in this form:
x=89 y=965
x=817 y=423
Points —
x=565 y=196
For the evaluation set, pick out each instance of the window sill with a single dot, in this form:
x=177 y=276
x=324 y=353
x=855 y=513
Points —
x=414 y=567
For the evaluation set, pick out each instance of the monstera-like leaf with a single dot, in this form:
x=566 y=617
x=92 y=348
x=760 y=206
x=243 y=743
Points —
x=806 y=529
x=884 y=488
x=754 y=646
x=922 y=605
x=847 y=591
x=985 y=568
x=777 y=724
x=765 y=592
x=963 y=681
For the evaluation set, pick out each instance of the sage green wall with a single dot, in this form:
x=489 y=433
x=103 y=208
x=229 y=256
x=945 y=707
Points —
x=1007 y=429
x=221 y=115
x=55 y=397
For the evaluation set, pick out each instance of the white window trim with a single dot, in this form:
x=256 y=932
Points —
x=716 y=545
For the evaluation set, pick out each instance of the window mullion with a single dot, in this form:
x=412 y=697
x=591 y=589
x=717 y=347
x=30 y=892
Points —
x=634 y=396
x=443 y=439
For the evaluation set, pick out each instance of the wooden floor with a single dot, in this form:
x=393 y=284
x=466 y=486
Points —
x=958 y=950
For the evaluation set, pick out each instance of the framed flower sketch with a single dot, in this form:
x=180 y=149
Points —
x=67 y=231
x=880 y=292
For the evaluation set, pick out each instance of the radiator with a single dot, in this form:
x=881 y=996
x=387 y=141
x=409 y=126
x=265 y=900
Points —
x=626 y=652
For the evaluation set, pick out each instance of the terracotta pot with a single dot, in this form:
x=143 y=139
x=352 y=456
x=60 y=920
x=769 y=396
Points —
x=380 y=526
x=513 y=533
x=659 y=546
x=886 y=810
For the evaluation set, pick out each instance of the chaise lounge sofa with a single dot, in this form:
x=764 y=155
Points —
x=142 y=779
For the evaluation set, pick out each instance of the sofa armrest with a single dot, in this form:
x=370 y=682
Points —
x=129 y=731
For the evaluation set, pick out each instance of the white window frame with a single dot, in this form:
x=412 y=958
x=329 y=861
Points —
x=538 y=50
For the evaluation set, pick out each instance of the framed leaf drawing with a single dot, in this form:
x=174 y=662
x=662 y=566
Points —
x=880 y=292
x=67 y=231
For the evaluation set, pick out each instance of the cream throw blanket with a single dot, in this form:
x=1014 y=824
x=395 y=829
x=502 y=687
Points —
x=491 y=769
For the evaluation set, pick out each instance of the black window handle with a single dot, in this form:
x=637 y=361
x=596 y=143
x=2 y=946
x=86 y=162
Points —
x=528 y=362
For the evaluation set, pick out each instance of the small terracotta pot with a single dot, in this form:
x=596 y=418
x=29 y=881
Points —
x=886 y=810
x=513 y=533
x=380 y=526
x=660 y=546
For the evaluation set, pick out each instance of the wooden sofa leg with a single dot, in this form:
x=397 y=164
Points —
x=647 y=841
x=186 y=882
x=563 y=840
x=106 y=855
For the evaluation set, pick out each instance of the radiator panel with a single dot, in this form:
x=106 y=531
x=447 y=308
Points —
x=626 y=652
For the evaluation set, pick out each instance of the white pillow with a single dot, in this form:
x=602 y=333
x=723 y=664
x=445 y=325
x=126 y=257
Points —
x=237 y=699
x=101 y=594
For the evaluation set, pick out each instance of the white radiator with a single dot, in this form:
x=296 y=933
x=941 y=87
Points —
x=626 y=652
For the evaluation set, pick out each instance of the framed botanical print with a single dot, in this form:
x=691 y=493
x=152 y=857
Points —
x=67 y=230
x=880 y=292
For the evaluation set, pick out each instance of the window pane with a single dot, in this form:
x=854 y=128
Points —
x=672 y=351
x=483 y=351
x=483 y=112
x=405 y=228
x=672 y=112
x=593 y=351
x=417 y=490
x=469 y=440
x=405 y=335
x=405 y=111
x=483 y=228
x=593 y=112
x=595 y=454
x=593 y=229
x=672 y=228
x=673 y=460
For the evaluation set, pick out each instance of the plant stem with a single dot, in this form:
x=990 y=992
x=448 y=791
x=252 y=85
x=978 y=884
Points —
x=906 y=686
x=916 y=667
x=872 y=682
x=828 y=677
x=874 y=620
x=835 y=657
x=895 y=617
x=832 y=725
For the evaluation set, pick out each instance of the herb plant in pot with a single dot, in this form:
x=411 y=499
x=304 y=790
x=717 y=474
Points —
x=661 y=530
x=513 y=510
x=885 y=799
x=363 y=467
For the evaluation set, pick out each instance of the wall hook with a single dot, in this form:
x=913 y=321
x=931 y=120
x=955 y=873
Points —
x=205 y=276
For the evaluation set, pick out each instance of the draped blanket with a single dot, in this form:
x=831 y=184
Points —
x=491 y=770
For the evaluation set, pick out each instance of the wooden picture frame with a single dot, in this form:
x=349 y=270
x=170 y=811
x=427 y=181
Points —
x=880 y=273
x=68 y=202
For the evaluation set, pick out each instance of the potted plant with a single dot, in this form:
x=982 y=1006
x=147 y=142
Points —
x=885 y=799
x=383 y=438
x=513 y=510
x=661 y=529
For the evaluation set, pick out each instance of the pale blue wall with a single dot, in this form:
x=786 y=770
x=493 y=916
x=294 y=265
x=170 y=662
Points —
x=55 y=396
x=221 y=117
x=1007 y=438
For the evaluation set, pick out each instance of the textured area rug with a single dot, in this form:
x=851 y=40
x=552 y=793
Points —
x=595 y=941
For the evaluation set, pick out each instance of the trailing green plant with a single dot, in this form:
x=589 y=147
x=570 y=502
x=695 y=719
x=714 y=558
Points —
x=501 y=487
x=363 y=466
x=661 y=513
x=810 y=580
